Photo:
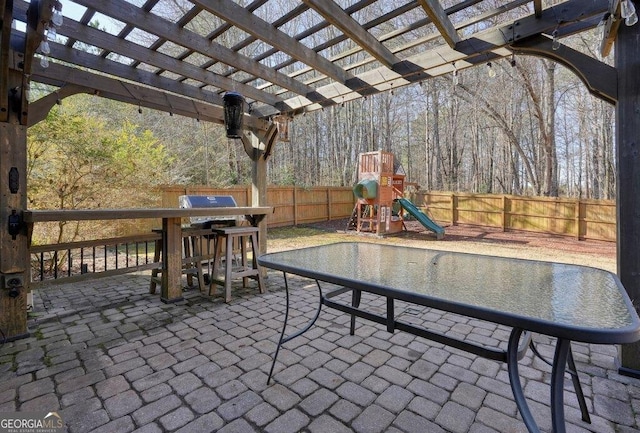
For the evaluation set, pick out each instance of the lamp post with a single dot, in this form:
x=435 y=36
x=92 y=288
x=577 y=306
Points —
x=233 y=114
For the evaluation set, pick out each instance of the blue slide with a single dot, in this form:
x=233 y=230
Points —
x=421 y=217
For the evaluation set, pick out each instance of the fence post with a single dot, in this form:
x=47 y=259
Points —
x=329 y=204
x=504 y=213
x=295 y=206
x=578 y=219
x=453 y=209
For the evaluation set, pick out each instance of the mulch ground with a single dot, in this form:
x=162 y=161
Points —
x=495 y=236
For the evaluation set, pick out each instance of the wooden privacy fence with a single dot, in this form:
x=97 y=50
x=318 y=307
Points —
x=291 y=205
x=582 y=219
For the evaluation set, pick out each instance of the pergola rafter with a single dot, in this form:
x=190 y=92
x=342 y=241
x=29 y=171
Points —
x=316 y=80
x=439 y=17
x=335 y=15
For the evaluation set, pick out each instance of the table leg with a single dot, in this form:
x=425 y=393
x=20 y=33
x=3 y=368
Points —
x=171 y=285
x=228 y=265
x=516 y=385
x=557 y=384
x=255 y=247
x=356 y=296
x=217 y=259
x=284 y=339
x=157 y=256
x=576 y=385
x=574 y=378
x=243 y=258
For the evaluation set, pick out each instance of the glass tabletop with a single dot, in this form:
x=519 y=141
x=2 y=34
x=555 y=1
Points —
x=586 y=304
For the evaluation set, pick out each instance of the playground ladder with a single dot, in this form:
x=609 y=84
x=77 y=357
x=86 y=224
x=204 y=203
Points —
x=352 y=224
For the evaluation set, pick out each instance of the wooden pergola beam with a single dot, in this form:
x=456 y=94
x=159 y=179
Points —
x=129 y=13
x=39 y=109
x=58 y=75
x=147 y=7
x=337 y=17
x=340 y=38
x=265 y=142
x=441 y=20
x=115 y=69
x=230 y=11
x=38 y=15
x=537 y=8
x=600 y=78
x=611 y=27
x=395 y=33
x=226 y=26
x=6 y=15
x=140 y=54
x=439 y=60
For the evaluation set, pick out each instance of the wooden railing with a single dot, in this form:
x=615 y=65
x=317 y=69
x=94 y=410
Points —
x=74 y=261
x=83 y=260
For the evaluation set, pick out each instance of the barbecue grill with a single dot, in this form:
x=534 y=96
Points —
x=209 y=201
x=199 y=244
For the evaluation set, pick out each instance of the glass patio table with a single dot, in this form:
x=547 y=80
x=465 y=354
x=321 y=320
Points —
x=569 y=302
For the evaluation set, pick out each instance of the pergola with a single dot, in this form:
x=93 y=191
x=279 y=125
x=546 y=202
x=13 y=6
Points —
x=309 y=55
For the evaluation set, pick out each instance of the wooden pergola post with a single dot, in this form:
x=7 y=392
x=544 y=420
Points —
x=14 y=252
x=259 y=189
x=627 y=62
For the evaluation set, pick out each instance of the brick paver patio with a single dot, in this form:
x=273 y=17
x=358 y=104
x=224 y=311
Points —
x=111 y=358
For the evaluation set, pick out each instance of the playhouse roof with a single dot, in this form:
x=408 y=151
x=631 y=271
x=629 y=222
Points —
x=397 y=167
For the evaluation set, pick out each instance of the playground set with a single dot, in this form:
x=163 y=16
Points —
x=380 y=197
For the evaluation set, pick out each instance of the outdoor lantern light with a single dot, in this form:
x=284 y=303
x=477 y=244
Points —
x=455 y=74
x=490 y=71
x=233 y=114
x=555 y=44
x=628 y=12
x=57 y=18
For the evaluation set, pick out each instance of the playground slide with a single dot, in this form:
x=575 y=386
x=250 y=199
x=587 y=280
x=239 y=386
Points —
x=421 y=217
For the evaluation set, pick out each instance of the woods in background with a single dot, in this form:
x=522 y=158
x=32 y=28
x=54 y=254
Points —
x=532 y=129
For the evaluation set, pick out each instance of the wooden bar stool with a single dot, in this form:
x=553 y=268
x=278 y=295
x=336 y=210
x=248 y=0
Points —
x=193 y=246
x=226 y=237
x=202 y=248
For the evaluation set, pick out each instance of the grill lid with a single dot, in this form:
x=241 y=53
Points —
x=206 y=201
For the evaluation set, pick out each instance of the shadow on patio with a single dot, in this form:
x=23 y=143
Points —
x=109 y=357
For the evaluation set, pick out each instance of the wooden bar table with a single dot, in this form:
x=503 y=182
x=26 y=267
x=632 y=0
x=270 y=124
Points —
x=171 y=286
